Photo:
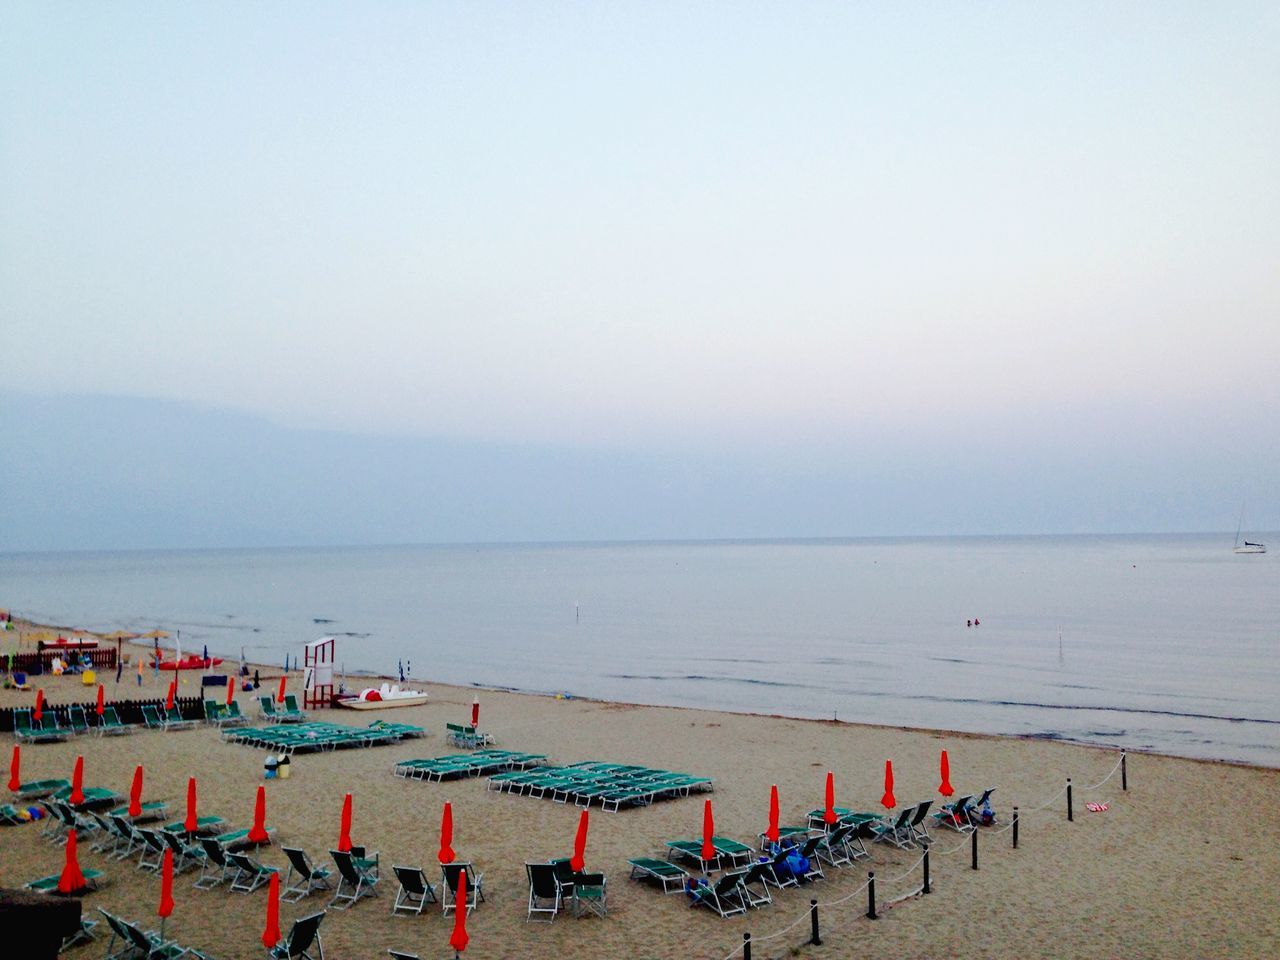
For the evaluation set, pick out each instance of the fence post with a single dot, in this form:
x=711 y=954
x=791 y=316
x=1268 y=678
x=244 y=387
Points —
x=746 y=946
x=926 y=889
x=871 y=895
x=1124 y=772
x=814 y=938
x=1015 y=828
x=1070 y=814
x=973 y=842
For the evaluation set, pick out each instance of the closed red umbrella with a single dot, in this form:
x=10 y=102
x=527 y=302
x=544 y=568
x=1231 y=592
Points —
x=945 y=787
x=231 y=689
x=38 y=712
x=772 y=832
x=459 y=939
x=888 y=801
x=77 y=782
x=475 y=712
x=446 y=834
x=166 y=890
x=829 y=814
x=71 y=878
x=192 y=822
x=271 y=933
x=344 y=835
x=258 y=832
x=15 y=781
x=135 y=793
x=171 y=696
x=102 y=707
x=280 y=692
x=708 y=831
x=578 y=860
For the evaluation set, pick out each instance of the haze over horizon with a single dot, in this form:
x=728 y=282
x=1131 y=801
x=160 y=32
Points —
x=554 y=272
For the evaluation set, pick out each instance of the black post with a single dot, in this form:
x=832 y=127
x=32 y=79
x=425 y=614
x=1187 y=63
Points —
x=814 y=938
x=1124 y=773
x=746 y=946
x=1015 y=828
x=1070 y=814
x=973 y=841
x=926 y=870
x=871 y=895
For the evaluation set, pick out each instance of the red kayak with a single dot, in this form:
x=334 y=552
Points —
x=187 y=663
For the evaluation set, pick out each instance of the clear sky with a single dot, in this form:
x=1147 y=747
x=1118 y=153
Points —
x=811 y=232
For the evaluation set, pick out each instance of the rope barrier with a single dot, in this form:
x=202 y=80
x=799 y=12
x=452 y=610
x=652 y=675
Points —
x=1108 y=776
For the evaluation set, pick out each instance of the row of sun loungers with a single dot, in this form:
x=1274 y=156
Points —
x=612 y=785
x=48 y=730
x=315 y=736
x=136 y=942
x=461 y=765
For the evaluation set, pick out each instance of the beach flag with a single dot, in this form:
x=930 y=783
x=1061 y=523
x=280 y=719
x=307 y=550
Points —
x=888 y=801
x=772 y=832
x=38 y=712
x=102 y=706
x=135 y=793
x=231 y=689
x=173 y=692
x=344 y=834
x=192 y=823
x=271 y=933
x=446 y=834
x=708 y=831
x=77 y=783
x=578 y=861
x=829 y=814
x=15 y=779
x=459 y=939
x=280 y=693
x=945 y=787
x=166 y=886
x=475 y=712
x=258 y=833
x=71 y=878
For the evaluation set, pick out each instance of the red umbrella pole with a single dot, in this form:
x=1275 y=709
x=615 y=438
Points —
x=829 y=814
x=344 y=836
x=708 y=831
x=231 y=689
x=77 y=783
x=258 y=833
x=888 y=801
x=15 y=779
x=102 y=707
x=475 y=712
x=280 y=692
x=192 y=822
x=71 y=878
x=271 y=933
x=38 y=712
x=166 y=890
x=135 y=793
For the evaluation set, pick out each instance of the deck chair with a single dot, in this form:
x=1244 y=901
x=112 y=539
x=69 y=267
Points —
x=401 y=955
x=152 y=850
x=449 y=890
x=216 y=868
x=184 y=854
x=834 y=847
x=250 y=874
x=955 y=815
x=35 y=789
x=755 y=884
x=77 y=719
x=357 y=877
x=110 y=724
x=174 y=720
x=303 y=938
x=544 y=890
x=809 y=850
x=128 y=840
x=149 y=945
x=897 y=831
x=82 y=934
x=919 y=833
x=980 y=812
x=309 y=876
x=415 y=891
x=590 y=894
x=672 y=877
x=725 y=896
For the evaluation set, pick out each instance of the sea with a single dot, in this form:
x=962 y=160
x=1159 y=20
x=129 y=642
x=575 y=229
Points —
x=1165 y=643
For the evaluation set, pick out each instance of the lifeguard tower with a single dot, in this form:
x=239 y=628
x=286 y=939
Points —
x=317 y=672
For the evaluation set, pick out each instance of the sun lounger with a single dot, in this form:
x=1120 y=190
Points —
x=26 y=730
x=670 y=876
x=415 y=890
x=40 y=788
x=50 y=884
x=110 y=725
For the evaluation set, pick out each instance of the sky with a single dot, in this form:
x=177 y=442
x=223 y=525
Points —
x=799 y=242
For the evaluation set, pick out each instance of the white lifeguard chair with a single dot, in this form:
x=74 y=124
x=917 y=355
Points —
x=317 y=672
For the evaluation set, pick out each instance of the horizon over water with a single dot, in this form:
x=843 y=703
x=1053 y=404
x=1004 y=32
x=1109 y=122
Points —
x=1157 y=642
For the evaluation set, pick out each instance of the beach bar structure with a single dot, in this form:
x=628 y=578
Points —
x=317 y=672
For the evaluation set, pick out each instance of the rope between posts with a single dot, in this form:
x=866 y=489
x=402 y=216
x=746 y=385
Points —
x=1048 y=802
x=959 y=846
x=800 y=919
x=910 y=870
x=1108 y=776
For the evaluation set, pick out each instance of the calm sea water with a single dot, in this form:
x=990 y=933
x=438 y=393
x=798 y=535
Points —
x=1164 y=643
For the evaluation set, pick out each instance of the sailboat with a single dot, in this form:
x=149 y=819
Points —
x=1247 y=546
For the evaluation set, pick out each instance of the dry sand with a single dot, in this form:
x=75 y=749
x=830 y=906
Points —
x=1184 y=864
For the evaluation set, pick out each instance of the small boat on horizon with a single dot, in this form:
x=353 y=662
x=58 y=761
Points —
x=1247 y=546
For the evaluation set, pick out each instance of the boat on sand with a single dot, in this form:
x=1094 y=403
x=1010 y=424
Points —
x=383 y=698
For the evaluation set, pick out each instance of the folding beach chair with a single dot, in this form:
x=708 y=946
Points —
x=449 y=889
x=301 y=941
x=955 y=815
x=755 y=884
x=918 y=832
x=672 y=877
x=309 y=877
x=590 y=894
x=415 y=891
x=357 y=877
x=401 y=955
x=250 y=874
x=152 y=850
x=216 y=868
x=726 y=896
x=896 y=831
x=149 y=945
x=544 y=890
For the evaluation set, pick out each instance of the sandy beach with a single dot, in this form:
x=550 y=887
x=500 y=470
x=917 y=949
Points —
x=1183 y=864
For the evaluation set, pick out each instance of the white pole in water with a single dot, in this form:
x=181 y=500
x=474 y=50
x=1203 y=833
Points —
x=576 y=613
